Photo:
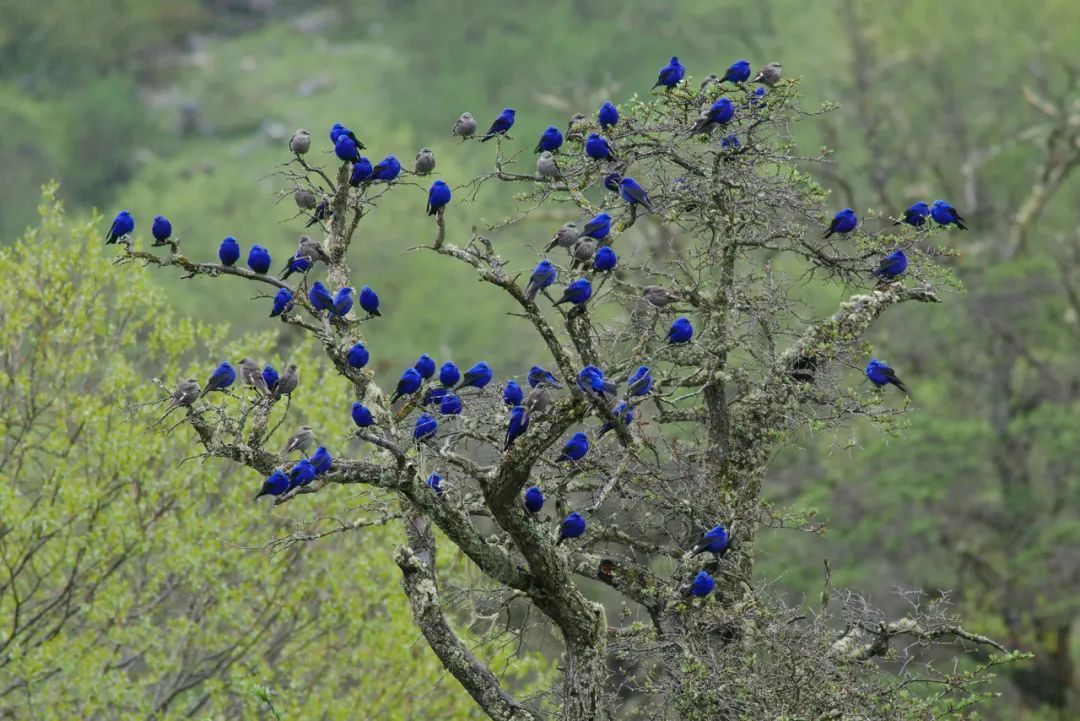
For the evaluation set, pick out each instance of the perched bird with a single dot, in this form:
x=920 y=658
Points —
x=574 y=130
x=550 y=140
x=161 y=229
x=591 y=380
x=599 y=227
x=229 y=251
x=632 y=192
x=185 y=394
x=519 y=423
x=386 y=169
x=464 y=126
x=916 y=214
x=358 y=356
x=710 y=80
x=296 y=264
x=434 y=395
x=534 y=499
x=575 y=448
x=611 y=182
x=640 y=383
x=361 y=171
x=843 y=222
x=608 y=116
x=769 y=74
x=605 y=259
x=681 y=331
x=311 y=248
x=251 y=374
x=892 y=265
x=512 y=393
x=259 y=259
x=546 y=167
x=564 y=237
x=702 y=585
x=320 y=297
x=322 y=212
x=270 y=375
x=583 y=251
x=425 y=162
x=730 y=141
x=538 y=401
x=658 y=296
x=880 y=374
x=338 y=130
x=477 y=377
x=759 y=93
x=408 y=384
x=572 y=526
x=275 y=484
x=305 y=199
x=301 y=474
x=322 y=460
x=598 y=148
x=543 y=275
x=300 y=142
x=122 y=226
x=426 y=425
x=739 y=72
x=501 y=125
x=434 y=482
x=719 y=113
x=369 y=301
x=438 y=197
x=425 y=366
x=944 y=214
x=300 y=441
x=538 y=375
x=361 y=415
x=346 y=150
x=716 y=540
x=222 y=377
x=343 y=302
x=287 y=383
x=670 y=74
x=577 y=292
x=449 y=374
x=622 y=410
x=449 y=404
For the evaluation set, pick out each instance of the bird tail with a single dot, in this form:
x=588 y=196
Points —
x=487 y=137
x=259 y=495
x=431 y=210
x=312 y=222
x=828 y=233
x=563 y=538
x=900 y=384
x=531 y=290
x=960 y=225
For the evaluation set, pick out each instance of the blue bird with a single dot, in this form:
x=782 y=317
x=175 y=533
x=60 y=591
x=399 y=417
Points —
x=543 y=275
x=369 y=301
x=730 y=141
x=916 y=214
x=598 y=228
x=222 y=377
x=297 y=264
x=632 y=192
x=425 y=366
x=477 y=377
x=539 y=375
x=361 y=415
x=434 y=482
x=283 y=301
x=161 y=230
x=519 y=423
x=671 y=74
x=426 y=425
x=337 y=130
x=880 y=374
x=322 y=460
x=259 y=259
x=434 y=395
x=122 y=226
x=322 y=212
x=640 y=383
x=534 y=499
x=409 y=384
x=623 y=410
x=270 y=377
x=275 y=484
x=449 y=404
x=759 y=93
x=591 y=380
x=320 y=297
x=302 y=473
x=719 y=113
x=611 y=182
x=343 y=302
x=512 y=393
x=386 y=169
x=739 y=72
x=598 y=148
x=501 y=126
x=702 y=585
x=572 y=526
x=361 y=171
x=843 y=222
x=449 y=374
x=605 y=259
x=438 y=197
x=346 y=149
x=550 y=140
x=575 y=448
x=229 y=251
x=577 y=292
x=608 y=115
x=716 y=540
x=681 y=331
x=892 y=265
x=358 y=356
x=944 y=214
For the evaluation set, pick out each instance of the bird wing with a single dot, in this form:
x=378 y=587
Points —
x=639 y=195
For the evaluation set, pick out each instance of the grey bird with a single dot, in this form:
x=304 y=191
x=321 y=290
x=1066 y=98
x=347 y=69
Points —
x=583 y=251
x=425 y=162
x=300 y=441
x=538 y=400
x=658 y=296
x=185 y=393
x=704 y=123
x=305 y=199
x=576 y=121
x=768 y=75
x=564 y=237
x=251 y=374
x=300 y=142
x=546 y=167
x=709 y=81
x=308 y=248
x=465 y=127
x=287 y=383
